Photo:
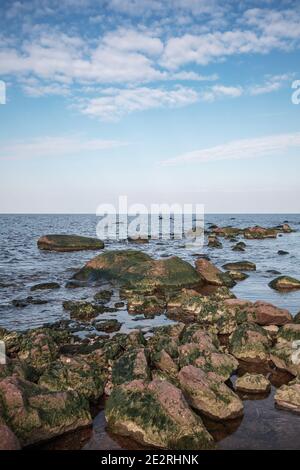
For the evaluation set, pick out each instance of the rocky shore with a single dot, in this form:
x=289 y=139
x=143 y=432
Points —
x=159 y=388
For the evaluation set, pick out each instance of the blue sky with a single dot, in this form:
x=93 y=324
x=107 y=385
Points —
x=173 y=101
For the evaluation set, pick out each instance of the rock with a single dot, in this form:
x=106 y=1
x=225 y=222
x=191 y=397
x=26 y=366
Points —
x=22 y=303
x=149 y=305
x=264 y=313
x=8 y=440
x=139 y=240
x=237 y=275
x=250 y=343
x=103 y=296
x=68 y=243
x=240 y=266
x=34 y=414
x=240 y=246
x=45 y=285
x=290 y=332
x=212 y=275
x=155 y=414
x=297 y=318
x=119 y=305
x=108 y=326
x=137 y=269
x=286 y=356
x=81 y=310
x=131 y=366
x=252 y=383
x=259 y=233
x=213 y=242
x=287 y=397
x=81 y=374
x=282 y=252
x=212 y=398
x=227 y=232
x=272 y=330
x=285 y=283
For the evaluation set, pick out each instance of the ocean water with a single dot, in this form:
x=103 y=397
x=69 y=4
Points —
x=22 y=265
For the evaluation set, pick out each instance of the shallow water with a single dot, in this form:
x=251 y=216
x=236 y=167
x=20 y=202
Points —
x=23 y=265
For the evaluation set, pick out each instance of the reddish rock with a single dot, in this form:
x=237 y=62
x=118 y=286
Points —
x=8 y=441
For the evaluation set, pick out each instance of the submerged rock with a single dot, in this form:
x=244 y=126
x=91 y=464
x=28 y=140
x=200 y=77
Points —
x=103 y=296
x=108 y=326
x=252 y=383
x=240 y=266
x=68 y=243
x=237 y=275
x=212 y=275
x=212 y=398
x=240 y=246
x=22 y=303
x=282 y=252
x=214 y=242
x=155 y=414
x=81 y=310
x=45 y=286
x=285 y=283
x=287 y=397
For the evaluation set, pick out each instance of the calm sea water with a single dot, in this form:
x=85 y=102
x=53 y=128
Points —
x=22 y=265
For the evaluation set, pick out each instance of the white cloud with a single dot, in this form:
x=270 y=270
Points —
x=221 y=91
x=55 y=146
x=114 y=103
x=271 y=84
x=240 y=149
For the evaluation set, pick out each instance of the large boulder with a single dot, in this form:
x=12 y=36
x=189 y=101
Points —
x=212 y=275
x=264 y=313
x=78 y=373
x=34 y=414
x=285 y=283
x=68 y=243
x=211 y=397
x=132 y=267
x=155 y=414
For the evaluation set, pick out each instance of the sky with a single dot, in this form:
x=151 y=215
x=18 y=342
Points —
x=164 y=101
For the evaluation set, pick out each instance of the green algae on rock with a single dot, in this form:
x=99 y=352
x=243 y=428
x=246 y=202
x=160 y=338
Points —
x=130 y=366
x=213 y=398
x=155 y=414
x=285 y=283
x=240 y=266
x=250 y=343
x=69 y=243
x=132 y=267
x=252 y=383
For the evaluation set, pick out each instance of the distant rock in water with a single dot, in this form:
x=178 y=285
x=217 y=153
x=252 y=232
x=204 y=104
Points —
x=285 y=283
x=260 y=233
x=45 y=286
x=68 y=243
x=212 y=275
x=282 y=252
x=240 y=266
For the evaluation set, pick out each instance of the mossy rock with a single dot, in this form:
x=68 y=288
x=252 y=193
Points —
x=253 y=383
x=137 y=269
x=240 y=266
x=289 y=332
x=69 y=243
x=130 y=366
x=156 y=415
x=250 y=343
x=35 y=415
x=284 y=283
